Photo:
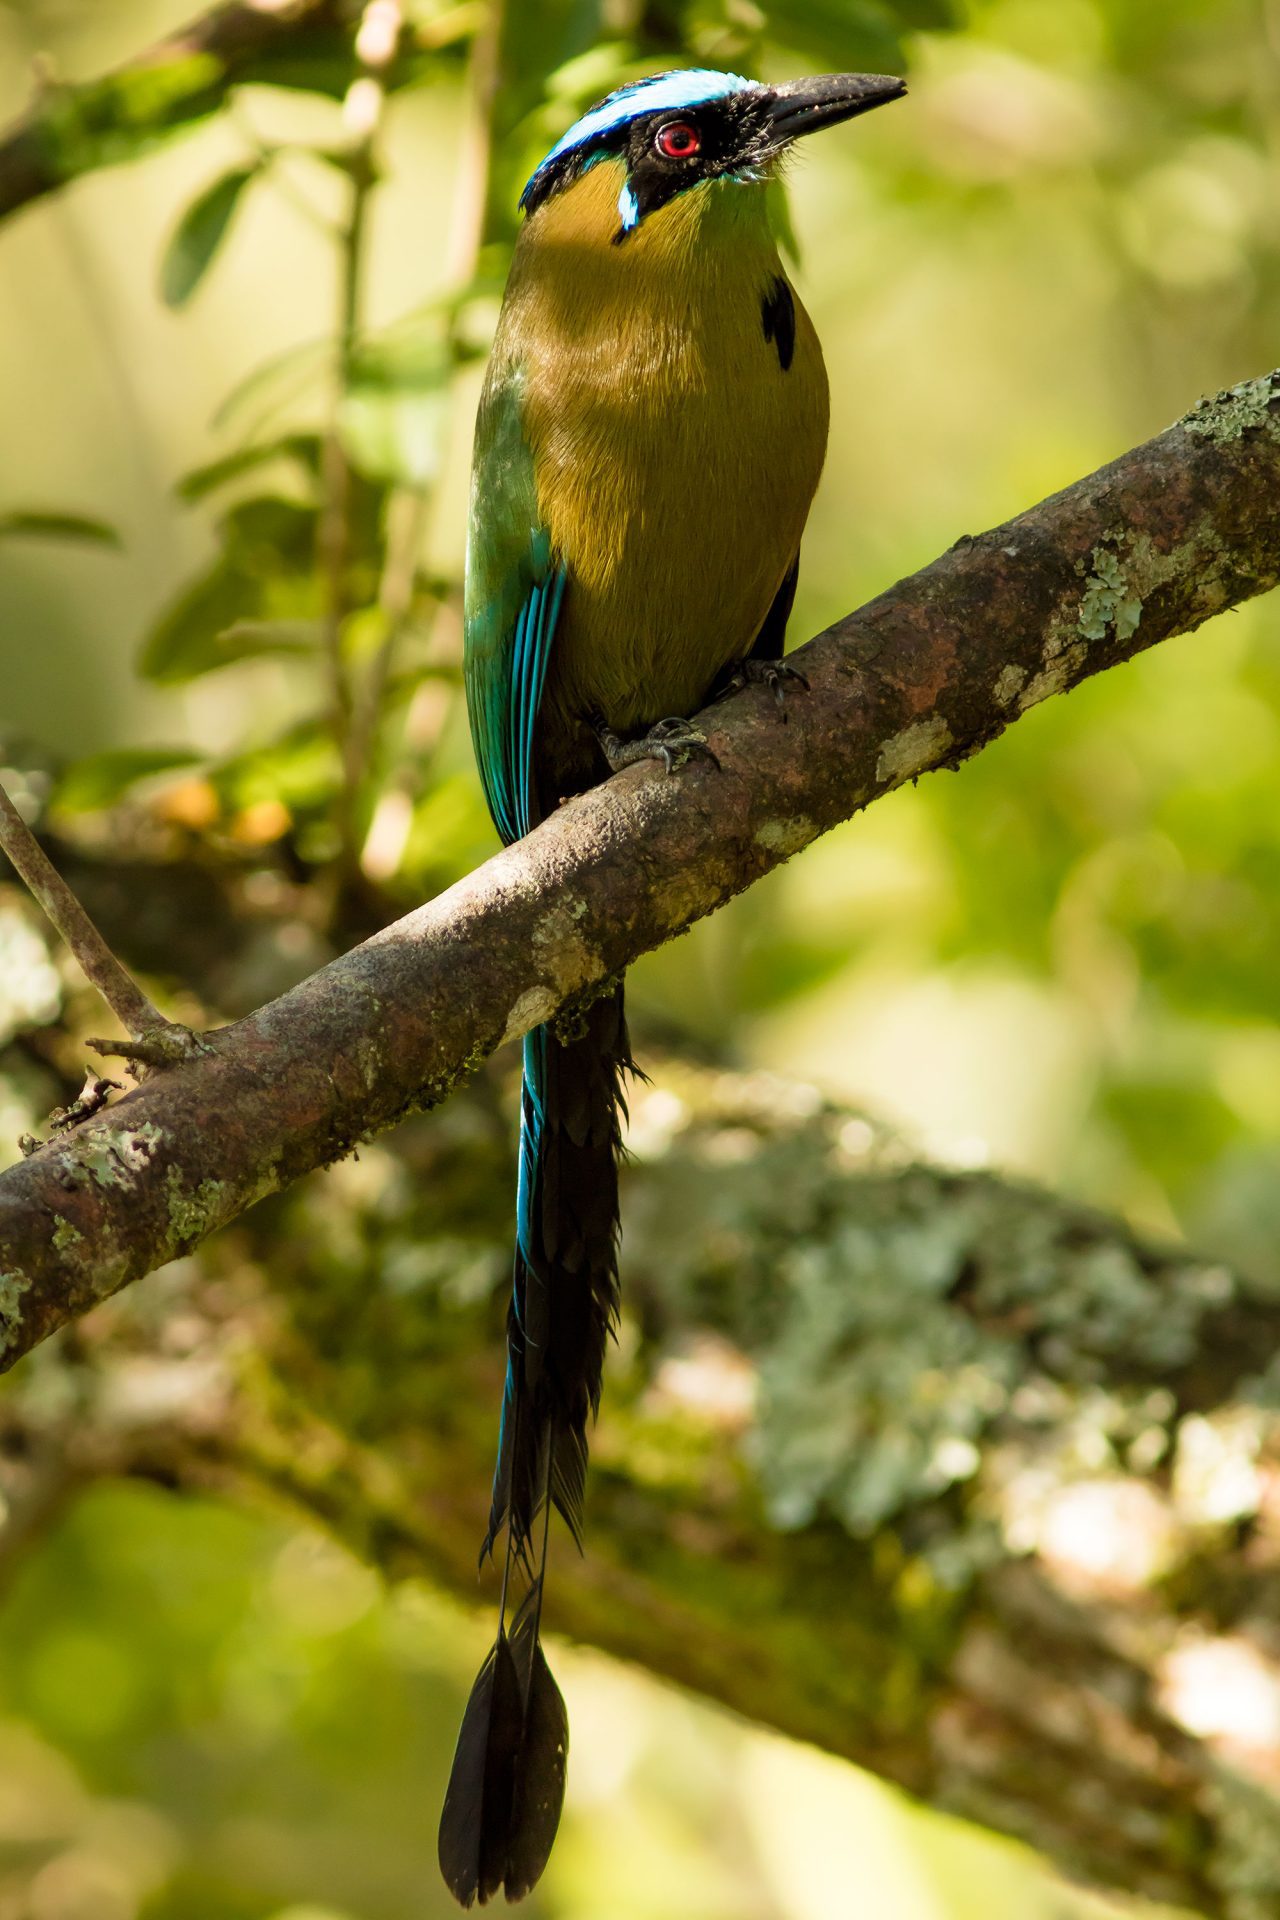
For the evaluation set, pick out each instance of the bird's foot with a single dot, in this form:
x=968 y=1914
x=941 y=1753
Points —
x=775 y=674
x=673 y=742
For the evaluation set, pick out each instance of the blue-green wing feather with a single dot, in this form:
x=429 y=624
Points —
x=513 y=598
x=515 y=591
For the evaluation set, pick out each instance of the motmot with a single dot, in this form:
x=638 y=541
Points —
x=650 y=435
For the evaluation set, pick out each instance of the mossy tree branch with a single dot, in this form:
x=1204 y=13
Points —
x=966 y=1484
x=934 y=669
x=71 y=130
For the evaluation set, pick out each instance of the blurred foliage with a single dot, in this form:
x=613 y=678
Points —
x=254 y=351
x=57 y=526
x=247 y=1726
x=199 y=234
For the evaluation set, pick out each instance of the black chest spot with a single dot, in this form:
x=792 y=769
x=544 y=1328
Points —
x=778 y=316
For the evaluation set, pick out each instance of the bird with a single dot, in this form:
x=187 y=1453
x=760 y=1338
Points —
x=649 y=438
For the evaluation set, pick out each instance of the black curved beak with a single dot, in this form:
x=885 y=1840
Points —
x=804 y=106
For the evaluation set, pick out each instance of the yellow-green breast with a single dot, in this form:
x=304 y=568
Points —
x=675 y=456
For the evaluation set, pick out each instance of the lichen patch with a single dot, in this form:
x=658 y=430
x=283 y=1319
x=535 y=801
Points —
x=1009 y=684
x=1054 y=679
x=1228 y=415
x=535 y=1005
x=13 y=1285
x=192 y=1214
x=561 y=949
x=65 y=1236
x=786 y=837
x=105 y=1157
x=1109 y=607
x=917 y=747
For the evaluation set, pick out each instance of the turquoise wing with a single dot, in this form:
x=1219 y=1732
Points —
x=514 y=593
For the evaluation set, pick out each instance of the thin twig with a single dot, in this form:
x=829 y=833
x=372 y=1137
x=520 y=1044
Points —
x=406 y=523
x=377 y=42
x=409 y=510
x=122 y=994
x=471 y=194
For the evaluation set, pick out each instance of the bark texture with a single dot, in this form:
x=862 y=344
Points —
x=1176 y=530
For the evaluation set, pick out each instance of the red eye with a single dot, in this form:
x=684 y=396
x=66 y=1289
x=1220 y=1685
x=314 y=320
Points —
x=678 y=140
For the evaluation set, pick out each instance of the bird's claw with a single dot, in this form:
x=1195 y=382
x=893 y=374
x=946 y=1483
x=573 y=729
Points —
x=774 y=674
x=672 y=741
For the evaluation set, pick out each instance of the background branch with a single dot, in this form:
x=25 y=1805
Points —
x=122 y=995
x=69 y=131
x=377 y=43
x=1176 y=530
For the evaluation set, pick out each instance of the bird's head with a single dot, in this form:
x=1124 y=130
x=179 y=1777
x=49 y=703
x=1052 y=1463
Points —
x=678 y=131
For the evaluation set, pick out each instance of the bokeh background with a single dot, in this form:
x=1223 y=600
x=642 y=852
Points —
x=1059 y=961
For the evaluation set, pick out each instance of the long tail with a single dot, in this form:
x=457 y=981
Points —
x=505 y=1792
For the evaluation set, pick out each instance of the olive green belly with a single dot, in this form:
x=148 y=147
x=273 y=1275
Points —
x=677 y=525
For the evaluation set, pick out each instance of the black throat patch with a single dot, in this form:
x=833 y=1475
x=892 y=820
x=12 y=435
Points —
x=778 y=316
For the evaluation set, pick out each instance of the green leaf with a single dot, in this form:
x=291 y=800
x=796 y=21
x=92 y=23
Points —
x=300 y=768
x=278 y=382
x=184 y=641
x=934 y=14
x=126 y=115
x=842 y=35
x=396 y=408
x=269 y=535
x=449 y=833
x=100 y=779
x=304 y=448
x=265 y=573
x=199 y=234
x=254 y=639
x=57 y=526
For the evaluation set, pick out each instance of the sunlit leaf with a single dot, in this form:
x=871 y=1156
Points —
x=254 y=639
x=441 y=23
x=277 y=383
x=199 y=234
x=300 y=769
x=934 y=14
x=448 y=834
x=840 y=35
x=268 y=533
x=396 y=409
x=101 y=779
x=265 y=575
x=184 y=641
x=127 y=114
x=201 y=481
x=57 y=526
